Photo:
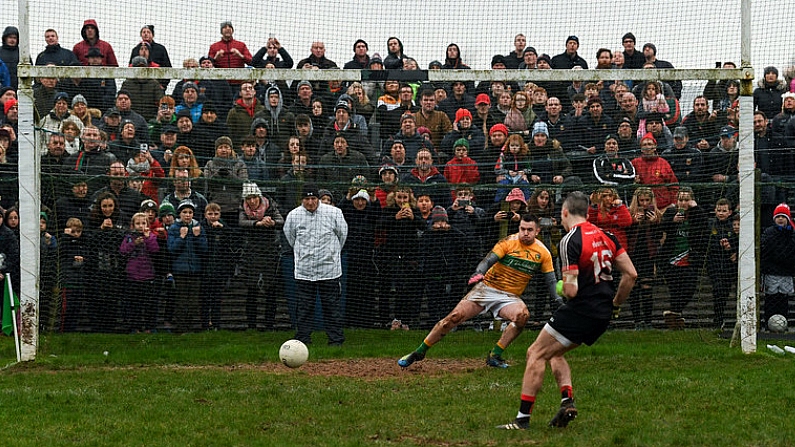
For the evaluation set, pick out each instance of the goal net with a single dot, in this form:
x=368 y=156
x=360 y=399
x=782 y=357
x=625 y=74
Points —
x=115 y=142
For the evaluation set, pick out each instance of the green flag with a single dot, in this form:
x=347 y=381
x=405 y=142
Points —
x=9 y=306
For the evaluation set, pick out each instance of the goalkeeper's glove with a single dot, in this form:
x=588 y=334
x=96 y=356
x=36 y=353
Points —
x=616 y=311
x=476 y=278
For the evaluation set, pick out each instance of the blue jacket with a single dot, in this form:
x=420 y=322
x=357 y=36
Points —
x=188 y=252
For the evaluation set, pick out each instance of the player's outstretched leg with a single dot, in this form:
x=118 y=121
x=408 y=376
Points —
x=408 y=359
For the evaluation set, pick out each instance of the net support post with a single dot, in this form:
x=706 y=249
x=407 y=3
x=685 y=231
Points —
x=29 y=201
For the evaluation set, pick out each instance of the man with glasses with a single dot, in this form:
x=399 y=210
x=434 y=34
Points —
x=632 y=57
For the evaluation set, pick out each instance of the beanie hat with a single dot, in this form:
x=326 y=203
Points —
x=516 y=194
x=387 y=167
x=499 y=127
x=422 y=130
x=61 y=96
x=303 y=83
x=629 y=36
x=187 y=203
x=461 y=142
x=188 y=85
x=438 y=214
x=362 y=194
x=79 y=98
x=251 y=189
x=574 y=38
x=649 y=136
x=10 y=103
x=223 y=140
x=462 y=113
x=771 y=69
x=359 y=180
x=325 y=192
x=783 y=210
x=226 y=23
x=540 y=127
x=544 y=57
x=139 y=61
x=147 y=205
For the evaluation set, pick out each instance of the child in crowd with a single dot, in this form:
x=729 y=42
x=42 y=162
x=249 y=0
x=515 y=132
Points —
x=48 y=264
x=777 y=263
x=187 y=242
x=461 y=168
x=720 y=267
x=218 y=265
x=139 y=246
x=74 y=274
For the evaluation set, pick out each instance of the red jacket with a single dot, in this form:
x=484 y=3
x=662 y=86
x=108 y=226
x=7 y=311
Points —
x=616 y=221
x=657 y=171
x=81 y=48
x=463 y=171
x=229 y=60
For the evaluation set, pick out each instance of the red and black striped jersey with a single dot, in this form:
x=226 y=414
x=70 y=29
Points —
x=589 y=251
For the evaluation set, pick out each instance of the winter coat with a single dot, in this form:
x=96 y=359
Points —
x=189 y=251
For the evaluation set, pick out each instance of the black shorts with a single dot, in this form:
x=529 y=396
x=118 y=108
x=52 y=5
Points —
x=577 y=328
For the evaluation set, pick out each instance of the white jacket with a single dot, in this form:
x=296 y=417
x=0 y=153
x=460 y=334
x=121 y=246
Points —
x=317 y=239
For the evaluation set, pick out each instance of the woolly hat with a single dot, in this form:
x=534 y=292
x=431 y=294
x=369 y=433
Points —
x=61 y=96
x=139 y=61
x=629 y=36
x=251 y=189
x=422 y=130
x=540 y=127
x=574 y=38
x=461 y=142
x=544 y=57
x=648 y=136
x=10 y=103
x=310 y=190
x=783 y=210
x=188 y=85
x=387 y=167
x=325 y=192
x=359 y=180
x=186 y=204
x=462 y=113
x=303 y=83
x=79 y=98
x=226 y=23
x=166 y=208
x=438 y=214
x=516 y=194
x=223 y=140
x=362 y=194
x=499 y=127
x=148 y=204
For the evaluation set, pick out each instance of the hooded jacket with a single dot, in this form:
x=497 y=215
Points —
x=81 y=48
x=10 y=54
x=281 y=122
x=394 y=61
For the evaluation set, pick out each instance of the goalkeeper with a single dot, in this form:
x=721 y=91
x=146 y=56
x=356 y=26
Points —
x=499 y=280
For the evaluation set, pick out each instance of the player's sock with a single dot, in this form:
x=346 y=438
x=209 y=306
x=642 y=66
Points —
x=526 y=407
x=497 y=350
x=566 y=392
x=423 y=348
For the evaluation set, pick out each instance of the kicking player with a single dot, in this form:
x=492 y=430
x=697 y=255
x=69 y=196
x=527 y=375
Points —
x=499 y=280
x=588 y=256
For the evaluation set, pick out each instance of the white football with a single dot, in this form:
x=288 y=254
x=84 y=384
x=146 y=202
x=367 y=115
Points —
x=777 y=323
x=293 y=353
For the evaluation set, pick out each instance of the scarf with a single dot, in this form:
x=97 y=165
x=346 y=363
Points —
x=259 y=213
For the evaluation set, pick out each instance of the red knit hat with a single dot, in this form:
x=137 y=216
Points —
x=782 y=209
x=8 y=104
x=649 y=136
x=499 y=127
x=461 y=113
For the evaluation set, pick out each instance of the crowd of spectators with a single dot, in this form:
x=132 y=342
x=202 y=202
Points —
x=397 y=156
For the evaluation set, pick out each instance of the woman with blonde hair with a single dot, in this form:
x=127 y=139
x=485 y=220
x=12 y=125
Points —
x=643 y=243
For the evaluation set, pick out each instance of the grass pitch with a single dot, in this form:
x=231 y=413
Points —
x=651 y=388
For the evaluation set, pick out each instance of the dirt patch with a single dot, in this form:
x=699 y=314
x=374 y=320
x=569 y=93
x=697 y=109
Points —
x=379 y=368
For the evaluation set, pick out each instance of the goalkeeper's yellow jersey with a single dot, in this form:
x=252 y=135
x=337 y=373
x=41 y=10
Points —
x=518 y=264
